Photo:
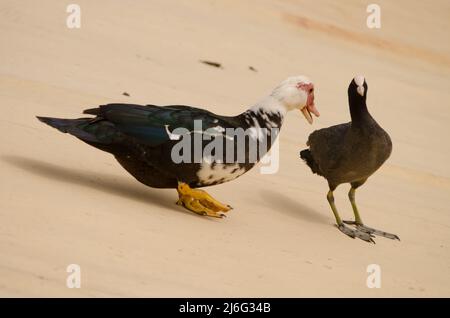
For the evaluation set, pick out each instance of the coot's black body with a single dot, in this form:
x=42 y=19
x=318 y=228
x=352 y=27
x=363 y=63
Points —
x=350 y=153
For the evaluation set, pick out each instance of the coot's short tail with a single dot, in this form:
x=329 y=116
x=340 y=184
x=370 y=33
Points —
x=308 y=158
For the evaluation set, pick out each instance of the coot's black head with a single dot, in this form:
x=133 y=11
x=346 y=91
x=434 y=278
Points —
x=357 y=90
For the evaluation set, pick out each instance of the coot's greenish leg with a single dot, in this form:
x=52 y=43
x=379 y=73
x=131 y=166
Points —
x=330 y=199
x=341 y=226
x=351 y=196
x=358 y=221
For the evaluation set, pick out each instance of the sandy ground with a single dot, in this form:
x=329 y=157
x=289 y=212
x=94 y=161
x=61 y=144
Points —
x=63 y=202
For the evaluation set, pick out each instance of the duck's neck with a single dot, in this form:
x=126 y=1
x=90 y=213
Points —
x=359 y=112
x=268 y=113
x=263 y=122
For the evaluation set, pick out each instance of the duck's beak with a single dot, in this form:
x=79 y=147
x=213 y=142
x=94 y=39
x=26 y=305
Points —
x=307 y=114
x=310 y=108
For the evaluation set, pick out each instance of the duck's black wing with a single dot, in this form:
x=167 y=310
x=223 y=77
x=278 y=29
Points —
x=153 y=125
x=118 y=124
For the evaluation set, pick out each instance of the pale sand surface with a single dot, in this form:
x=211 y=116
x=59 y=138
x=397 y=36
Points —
x=64 y=202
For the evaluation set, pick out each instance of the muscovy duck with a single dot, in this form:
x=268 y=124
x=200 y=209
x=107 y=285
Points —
x=350 y=153
x=146 y=140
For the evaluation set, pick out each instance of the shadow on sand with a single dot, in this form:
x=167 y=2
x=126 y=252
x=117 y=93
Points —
x=94 y=180
x=132 y=190
x=294 y=208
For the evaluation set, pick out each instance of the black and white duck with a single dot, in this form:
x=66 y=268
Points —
x=146 y=140
x=350 y=153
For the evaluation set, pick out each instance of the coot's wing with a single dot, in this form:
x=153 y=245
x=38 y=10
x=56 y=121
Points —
x=327 y=146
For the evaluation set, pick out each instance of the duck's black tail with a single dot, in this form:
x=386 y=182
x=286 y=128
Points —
x=308 y=158
x=74 y=127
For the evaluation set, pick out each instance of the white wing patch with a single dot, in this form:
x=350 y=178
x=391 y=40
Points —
x=171 y=135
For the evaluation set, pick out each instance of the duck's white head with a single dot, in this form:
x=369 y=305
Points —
x=297 y=92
